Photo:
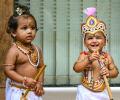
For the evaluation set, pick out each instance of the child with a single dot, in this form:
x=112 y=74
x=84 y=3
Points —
x=92 y=83
x=23 y=59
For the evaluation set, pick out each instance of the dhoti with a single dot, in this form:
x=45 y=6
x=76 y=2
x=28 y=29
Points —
x=14 y=93
x=85 y=94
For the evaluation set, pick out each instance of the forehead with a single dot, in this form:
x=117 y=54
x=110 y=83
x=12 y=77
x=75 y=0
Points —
x=95 y=34
x=26 y=20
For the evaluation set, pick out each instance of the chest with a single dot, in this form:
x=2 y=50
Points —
x=22 y=58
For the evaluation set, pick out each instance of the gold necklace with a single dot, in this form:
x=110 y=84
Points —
x=32 y=54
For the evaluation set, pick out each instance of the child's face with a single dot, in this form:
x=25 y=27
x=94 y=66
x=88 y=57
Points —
x=95 y=42
x=26 y=29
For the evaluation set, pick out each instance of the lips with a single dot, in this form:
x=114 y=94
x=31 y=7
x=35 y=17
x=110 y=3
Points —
x=94 y=45
x=29 y=37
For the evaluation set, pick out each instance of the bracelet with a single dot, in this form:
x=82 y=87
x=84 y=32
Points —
x=24 y=81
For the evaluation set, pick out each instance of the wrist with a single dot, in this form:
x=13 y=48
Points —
x=109 y=75
x=89 y=59
x=40 y=83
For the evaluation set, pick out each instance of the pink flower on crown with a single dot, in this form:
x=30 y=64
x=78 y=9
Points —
x=90 y=11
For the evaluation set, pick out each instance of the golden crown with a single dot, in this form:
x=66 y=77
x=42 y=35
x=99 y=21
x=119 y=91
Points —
x=93 y=24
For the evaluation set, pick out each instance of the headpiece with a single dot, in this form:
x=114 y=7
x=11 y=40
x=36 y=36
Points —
x=20 y=10
x=92 y=24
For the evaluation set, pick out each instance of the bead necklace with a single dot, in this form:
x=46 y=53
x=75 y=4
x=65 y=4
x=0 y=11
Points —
x=30 y=52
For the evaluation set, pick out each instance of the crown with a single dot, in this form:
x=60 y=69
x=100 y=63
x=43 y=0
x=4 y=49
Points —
x=92 y=24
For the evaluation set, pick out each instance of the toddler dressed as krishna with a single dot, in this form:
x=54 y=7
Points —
x=95 y=64
x=23 y=60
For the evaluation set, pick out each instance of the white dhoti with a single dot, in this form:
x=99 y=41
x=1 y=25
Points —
x=14 y=93
x=85 y=94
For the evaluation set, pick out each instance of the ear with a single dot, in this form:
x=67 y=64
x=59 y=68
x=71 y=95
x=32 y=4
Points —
x=84 y=42
x=106 y=41
x=13 y=35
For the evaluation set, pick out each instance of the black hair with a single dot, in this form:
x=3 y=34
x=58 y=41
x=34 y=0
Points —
x=20 y=10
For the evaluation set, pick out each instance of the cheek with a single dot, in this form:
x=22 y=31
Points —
x=103 y=42
x=34 y=33
x=86 y=43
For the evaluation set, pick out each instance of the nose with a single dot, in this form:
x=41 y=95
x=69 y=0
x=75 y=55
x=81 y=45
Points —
x=29 y=31
x=94 y=39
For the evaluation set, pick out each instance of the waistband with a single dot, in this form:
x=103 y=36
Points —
x=97 y=86
x=18 y=86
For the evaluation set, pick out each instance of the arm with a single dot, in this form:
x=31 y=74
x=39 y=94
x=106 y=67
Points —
x=9 y=66
x=84 y=60
x=110 y=70
x=39 y=86
x=41 y=78
x=113 y=71
x=81 y=63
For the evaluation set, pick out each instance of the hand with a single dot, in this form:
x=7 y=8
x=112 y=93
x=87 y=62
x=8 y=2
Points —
x=104 y=71
x=39 y=89
x=29 y=82
x=94 y=56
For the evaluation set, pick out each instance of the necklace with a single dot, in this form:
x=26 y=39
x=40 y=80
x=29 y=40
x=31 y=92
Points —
x=30 y=52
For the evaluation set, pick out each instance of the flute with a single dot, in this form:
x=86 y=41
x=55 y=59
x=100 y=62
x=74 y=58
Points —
x=23 y=97
x=106 y=81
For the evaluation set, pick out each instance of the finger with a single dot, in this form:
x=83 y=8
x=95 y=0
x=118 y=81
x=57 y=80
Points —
x=38 y=93
x=95 y=58
x=34 y=81
x=41 y=92
x=105 y=72
x=37 y=90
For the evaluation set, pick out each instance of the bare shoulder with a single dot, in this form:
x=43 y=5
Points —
x=38 y=48
x=83 y=54
x=12 y=50
x=40 y=56
x=110 y=61
x=109 y=56
x=11 y=54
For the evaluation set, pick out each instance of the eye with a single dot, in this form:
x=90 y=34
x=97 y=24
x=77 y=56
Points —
x=24 y=28
x=99 y=37
x=89 y=38
x=33 y=27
